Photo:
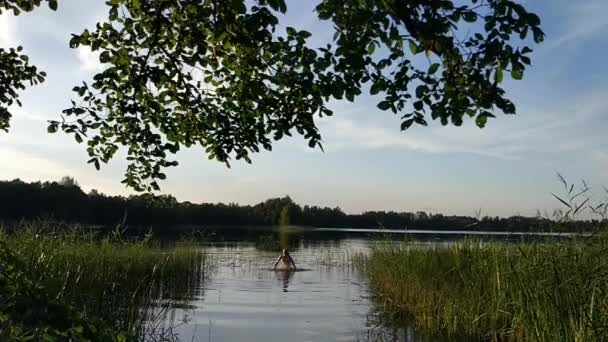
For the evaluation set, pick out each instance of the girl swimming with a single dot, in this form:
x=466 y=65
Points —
x=284 y=262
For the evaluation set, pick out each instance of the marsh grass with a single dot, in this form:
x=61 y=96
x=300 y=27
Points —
x=129 y=284
x=551 y=291
x=334 y=259
x=285 y=238
x=267 y=243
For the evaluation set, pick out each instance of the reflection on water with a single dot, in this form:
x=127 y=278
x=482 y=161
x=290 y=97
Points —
x=325 y=300
x=284 y=277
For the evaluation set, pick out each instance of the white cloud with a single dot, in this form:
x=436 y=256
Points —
x=89 y=60
x=564 y=126
x=344 y=133
x=6 y=31
x=19 y=113
x=585 y=20
x=15 y=162
x=18 y=163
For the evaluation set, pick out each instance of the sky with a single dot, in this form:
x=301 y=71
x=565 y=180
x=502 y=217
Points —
x=507 y=168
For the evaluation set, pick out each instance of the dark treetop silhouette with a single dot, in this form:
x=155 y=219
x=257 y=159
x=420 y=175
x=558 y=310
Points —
x=65 y=201
x=216 y=73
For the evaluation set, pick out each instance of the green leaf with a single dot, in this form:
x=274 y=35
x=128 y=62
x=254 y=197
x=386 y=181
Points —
x=74 y=41
x=433 y=68
x=517 y=74
x=384 y=105
x=498 y=76
x=413 y=47
x=278 y=5
x=539 y=35
x=95 y=162
x=481 y=121
x=104 y=57
x=375 y=88
x=371 y=48
x=419 y=119
x=421 y=90
x=525 y=50
x=533 y=19
x=338 y=93
x=324 y=15
x=52 y=128
x=305 y=34
x=407 y=124
x=282 y=6
x=350 y=96
x=53 y=4
x=469 y=16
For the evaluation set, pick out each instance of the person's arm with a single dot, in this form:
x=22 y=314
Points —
x=293 y=263
x=277 y=262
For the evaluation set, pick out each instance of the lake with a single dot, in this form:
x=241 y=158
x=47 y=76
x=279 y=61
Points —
x=326 y=300
x=245 y=301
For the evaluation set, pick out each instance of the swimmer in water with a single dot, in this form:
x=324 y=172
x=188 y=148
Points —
x=285 y=261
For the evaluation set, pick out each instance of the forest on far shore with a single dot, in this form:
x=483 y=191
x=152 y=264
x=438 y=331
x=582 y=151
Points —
x=65 y=201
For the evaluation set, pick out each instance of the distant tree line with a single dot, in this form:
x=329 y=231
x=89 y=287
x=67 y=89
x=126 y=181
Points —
x=65 y=201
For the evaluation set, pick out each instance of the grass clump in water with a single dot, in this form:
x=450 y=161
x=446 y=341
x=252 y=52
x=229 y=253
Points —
x=286 y=237
x=551 y=291
x=267 y=243
x=94 y=281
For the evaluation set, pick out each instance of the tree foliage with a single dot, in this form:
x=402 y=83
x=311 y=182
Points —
x=54 y=201
x=219 y=74
x=69 y=182
x=15 y=70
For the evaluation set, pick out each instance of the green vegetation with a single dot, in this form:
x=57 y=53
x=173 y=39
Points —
x=268 y=242
x=59 y=285
x=552 y=291
x=65 y=201
x=222 y=76
x=286 y=238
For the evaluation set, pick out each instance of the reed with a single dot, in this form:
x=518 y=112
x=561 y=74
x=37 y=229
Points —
x=267 y=243
x=285 y=238
x=127 y=284
x=544 y=291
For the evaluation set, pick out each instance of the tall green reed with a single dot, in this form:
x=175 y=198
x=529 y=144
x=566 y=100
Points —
x=127 y=283
x=532 y=292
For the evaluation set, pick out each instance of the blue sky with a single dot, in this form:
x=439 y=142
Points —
x=507 y=168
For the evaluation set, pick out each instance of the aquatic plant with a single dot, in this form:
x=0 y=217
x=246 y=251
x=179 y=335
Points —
x=267 y=243
x=28 y=312
x=552 y=291
x=286 y=237
x=123 y=284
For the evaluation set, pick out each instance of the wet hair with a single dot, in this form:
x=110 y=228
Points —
x=285 y=252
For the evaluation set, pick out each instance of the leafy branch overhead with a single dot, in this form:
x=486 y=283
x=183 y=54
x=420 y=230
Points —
x=220 y=74
x=15 y=71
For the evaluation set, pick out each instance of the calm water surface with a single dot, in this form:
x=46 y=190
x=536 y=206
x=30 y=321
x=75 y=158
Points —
x=326 y=300
x=245 y=301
